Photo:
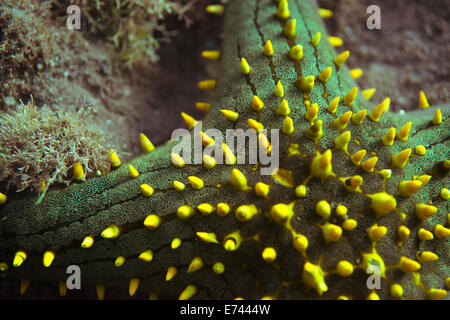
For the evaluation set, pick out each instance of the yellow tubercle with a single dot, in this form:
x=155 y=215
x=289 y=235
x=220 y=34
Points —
x=403 y=233
x=114 y=159
x=301 y=243
x=188 y=292
x=283 y=10
x=289 y=30
x=349 y=224
x=335 y=41
x=437 y=118
x=325 y=75
x=232 y=241
x=268 y=48
x=87 y=242
x=211 y=54
x=264 y=143
x=356 y=73
x=190 y=122
x=357 y=118
x=205 y=209
x=323 y=209
x=230 y=115
x=146 y=144
x=382 y=203
x=48 y=258
x=217 y=9
x=120 y=260
x=373 y=296
x=179 y=186
x=350 y=96
x=283 y=109
x=111 y=232
x=238 y=181
x=400 y=159
x=207 y=84
x=133 y=286
x=311 y=113
x=78 y=172
x=408 y=188
x=441 y=232
x=445 y=194
x=426 y=256
x=262 y=189
x=377 y=112
x=396 y=291
x=436 y=294
x=269 y=254
x=209 y=237
x=279 y=91
x=245 y=67
x=195 y=265
x=408 y=265
x=332 y=106
x=203 y=106
x=185 y=212
x=403 y=133
x=388 y=139
x=313 y=276
x=177 y=160
x=300 y=191
x=223 y=209
x=341 y=58
x=246 y=212
x=282 y=212
x=423 y=102
x=420 y=150
x=257 y=103
x=146 y=256
x=176 y=243
x=288 y=126
x=344 y=268
x=152 y=221
x=342 y=121
x=325 y=13
x=218 y=267
x=315 y=131
x=331 y=232
x=369 y=164
x=255 y=125
x=3 y=198
x=321 y=165
x=196 y=182
x=341 y=142
x=368 y=93
x=376 y=233
x=171 y=273
x=316 y=39
x=306 y=83
x=424 y=235
x=146 y=190
x=133 y=173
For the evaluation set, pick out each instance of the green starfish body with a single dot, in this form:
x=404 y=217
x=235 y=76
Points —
x=359 y=190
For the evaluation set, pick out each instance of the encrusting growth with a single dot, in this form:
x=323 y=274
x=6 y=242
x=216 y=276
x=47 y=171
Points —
x=357 y=187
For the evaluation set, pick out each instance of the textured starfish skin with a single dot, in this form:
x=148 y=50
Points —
x=65 y=217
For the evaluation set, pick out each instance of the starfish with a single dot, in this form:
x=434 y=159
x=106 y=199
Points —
x=360 y=193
